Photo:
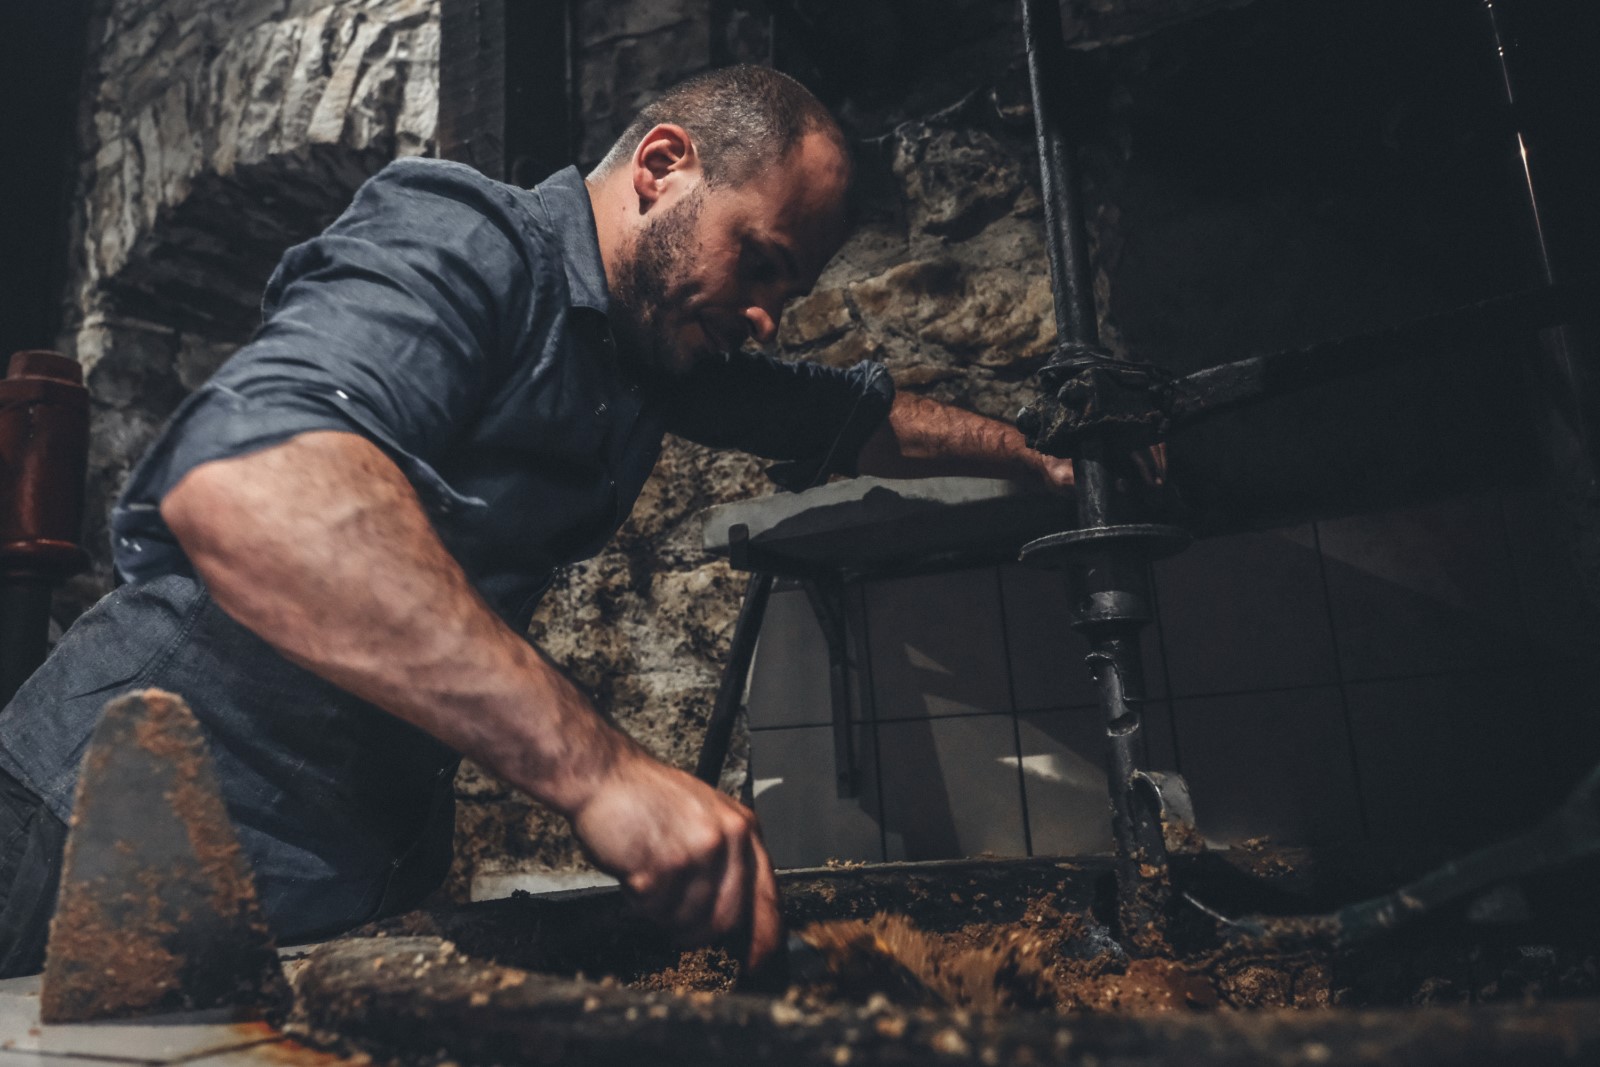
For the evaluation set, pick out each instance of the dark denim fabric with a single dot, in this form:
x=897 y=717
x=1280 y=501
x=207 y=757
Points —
x=460 y=324
x=31 y=844
x=344 y=810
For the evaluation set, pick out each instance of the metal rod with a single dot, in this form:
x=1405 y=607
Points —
x=1110 y=587
x=730 y=694
x=1558 y=343
x=1063 y=212
x=1562 y=362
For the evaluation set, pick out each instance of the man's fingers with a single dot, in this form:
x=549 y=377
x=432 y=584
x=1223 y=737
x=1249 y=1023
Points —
x=766 y=912
x=731 y=918
x=689 y=858
x=1152 y=463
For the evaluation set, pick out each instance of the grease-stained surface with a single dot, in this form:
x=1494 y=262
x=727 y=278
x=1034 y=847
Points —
x=977 y=962
x=203 y=1039
x=417 y=1000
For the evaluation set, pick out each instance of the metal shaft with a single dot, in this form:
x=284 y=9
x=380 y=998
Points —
x=1110 y=585
x=1563 y=375
x=730 y=694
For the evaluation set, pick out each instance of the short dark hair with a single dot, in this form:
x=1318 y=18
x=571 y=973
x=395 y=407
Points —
x=742 y=118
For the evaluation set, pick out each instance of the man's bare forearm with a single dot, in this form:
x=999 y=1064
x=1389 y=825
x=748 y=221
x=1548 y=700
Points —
x=923 y=438
x=320 y=546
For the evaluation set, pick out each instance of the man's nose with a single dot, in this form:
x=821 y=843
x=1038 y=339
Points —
x=763 y=324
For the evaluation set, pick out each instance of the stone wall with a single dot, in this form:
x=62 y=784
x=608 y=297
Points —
x=212 y=137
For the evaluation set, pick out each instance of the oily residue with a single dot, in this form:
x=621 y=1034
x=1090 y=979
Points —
x=997 y=969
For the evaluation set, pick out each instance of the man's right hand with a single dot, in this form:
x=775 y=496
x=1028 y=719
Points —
x=690 y=857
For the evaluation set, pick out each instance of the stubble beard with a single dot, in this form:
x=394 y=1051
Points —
x=644 y=293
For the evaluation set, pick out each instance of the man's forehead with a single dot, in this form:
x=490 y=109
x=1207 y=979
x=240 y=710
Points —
x=799 y=200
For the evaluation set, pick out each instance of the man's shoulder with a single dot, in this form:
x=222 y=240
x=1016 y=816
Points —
x=419 y=183
x=437 y=206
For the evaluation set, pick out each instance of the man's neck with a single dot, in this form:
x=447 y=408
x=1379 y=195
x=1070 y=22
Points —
x=610 y=199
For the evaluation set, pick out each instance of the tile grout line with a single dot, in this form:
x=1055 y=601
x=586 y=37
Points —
x=1543 y=743
x=1166 y=677
x=1344 y=692
x=1016 y=721
x=866 y=687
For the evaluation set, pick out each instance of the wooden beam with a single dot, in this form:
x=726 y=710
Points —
x=505 y=87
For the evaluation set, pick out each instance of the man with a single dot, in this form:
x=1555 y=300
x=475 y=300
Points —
x=335 y=547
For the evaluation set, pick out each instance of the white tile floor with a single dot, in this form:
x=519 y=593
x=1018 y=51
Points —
x=199 y=1038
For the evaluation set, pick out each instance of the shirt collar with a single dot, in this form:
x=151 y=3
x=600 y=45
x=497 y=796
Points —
x=566 y=204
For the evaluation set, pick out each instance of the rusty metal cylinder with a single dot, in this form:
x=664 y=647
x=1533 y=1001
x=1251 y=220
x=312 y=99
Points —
x=44 y=448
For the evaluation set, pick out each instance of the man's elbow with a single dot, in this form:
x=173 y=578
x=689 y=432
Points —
x=201 y=506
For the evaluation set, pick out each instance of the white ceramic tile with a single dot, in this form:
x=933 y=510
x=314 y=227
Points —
x=1449 y=761
x=1046 y=653
x=789 y=678
x=1423 y=589
x=803 y=820
x=1064 y=779
x=950 y=787
x=1269 y=765
x=1567 y=725
x=1245 y=612
x=1160 y=743
x=937 y=645
x=1548 y=585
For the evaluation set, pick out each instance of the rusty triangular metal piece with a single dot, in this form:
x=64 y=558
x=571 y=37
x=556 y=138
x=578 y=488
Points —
x=158 y=910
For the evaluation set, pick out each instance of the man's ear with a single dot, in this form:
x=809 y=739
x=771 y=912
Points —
x=664 y=157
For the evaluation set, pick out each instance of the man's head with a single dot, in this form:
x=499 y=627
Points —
x=722 y=200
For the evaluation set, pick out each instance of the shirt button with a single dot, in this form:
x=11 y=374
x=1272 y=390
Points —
x=601 y=410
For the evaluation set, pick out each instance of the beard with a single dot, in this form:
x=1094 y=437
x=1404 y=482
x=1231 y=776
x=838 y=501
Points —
x=643 y=300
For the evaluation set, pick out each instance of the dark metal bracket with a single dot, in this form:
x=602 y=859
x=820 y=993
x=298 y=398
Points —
x=1091 y=396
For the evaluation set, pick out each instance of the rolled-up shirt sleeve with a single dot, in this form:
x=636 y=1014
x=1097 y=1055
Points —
x=393 y=324
x=813 y=418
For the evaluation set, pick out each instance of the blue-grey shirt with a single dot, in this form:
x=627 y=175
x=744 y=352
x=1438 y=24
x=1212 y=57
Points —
x=461 y=325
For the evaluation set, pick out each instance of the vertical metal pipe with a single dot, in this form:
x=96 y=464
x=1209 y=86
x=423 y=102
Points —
x=1110 y=584
x=1063 y=209
x=1562 y=378
x=730 y=693
x=1558 y=342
